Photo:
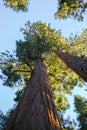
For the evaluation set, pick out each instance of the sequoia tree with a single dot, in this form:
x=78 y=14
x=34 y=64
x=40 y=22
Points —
x=27 y=68
x=36 y=109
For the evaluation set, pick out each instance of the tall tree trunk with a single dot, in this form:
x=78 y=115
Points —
x=77 y=64
x=36 y=109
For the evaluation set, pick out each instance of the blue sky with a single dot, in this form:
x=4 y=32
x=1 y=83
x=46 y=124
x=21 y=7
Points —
x=10 y=24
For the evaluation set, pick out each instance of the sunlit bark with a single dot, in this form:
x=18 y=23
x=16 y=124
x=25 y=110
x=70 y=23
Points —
x=77 y=64
x=36 y=109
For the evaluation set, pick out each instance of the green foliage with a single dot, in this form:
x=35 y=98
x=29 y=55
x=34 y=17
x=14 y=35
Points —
x=81 y=109
x=13 y=71
x=62 y=81
x=4 y=118
x=66 y=8
x=40 y=39
x=19 y=94
x=77 y=45
x=2 y=121
x=71 y=8
x=67 y=123
x=17 y=4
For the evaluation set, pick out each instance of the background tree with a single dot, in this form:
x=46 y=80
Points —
x=2 y=121
x=5 y=118
x=81 y=110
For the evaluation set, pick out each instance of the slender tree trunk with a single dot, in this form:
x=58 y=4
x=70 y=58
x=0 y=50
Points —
x=77 y=64
x=36 y=109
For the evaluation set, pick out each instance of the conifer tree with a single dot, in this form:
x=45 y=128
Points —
x=40 y=44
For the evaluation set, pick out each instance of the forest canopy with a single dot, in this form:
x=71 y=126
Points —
x=41 y=41
x=66 y=8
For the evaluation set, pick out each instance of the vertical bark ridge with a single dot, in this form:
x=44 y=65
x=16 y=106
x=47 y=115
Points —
x=77 y=64
x=36 y=109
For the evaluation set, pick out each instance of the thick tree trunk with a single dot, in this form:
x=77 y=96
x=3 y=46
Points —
x=36 y=109
x=77 y=64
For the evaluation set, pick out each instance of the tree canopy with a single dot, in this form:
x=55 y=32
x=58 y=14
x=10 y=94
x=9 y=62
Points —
x=71 y=8
x=17 y=4
x=66 y=8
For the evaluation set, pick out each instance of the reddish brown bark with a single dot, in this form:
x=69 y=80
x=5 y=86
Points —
x=36 y=109
x=77 y=64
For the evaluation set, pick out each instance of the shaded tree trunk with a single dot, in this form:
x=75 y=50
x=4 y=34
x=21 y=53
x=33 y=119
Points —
x=77 y=64
x=36 y=109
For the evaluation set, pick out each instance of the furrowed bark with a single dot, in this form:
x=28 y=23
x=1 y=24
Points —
x=36 y=109
x=77 y=64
